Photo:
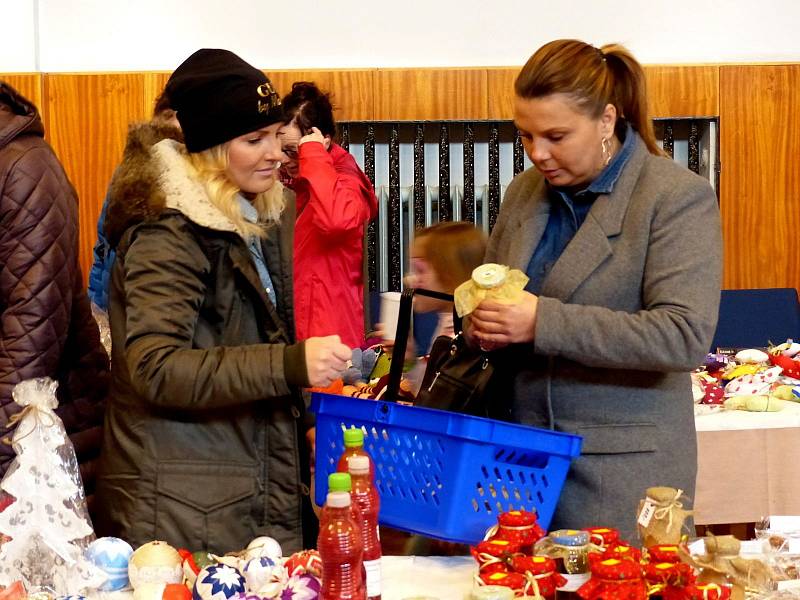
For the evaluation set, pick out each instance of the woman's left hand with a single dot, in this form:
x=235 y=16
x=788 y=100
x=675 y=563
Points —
x=497 y=324
x=316 y=136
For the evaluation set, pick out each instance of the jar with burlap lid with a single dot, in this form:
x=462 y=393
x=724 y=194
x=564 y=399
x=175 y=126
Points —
x=661 y=516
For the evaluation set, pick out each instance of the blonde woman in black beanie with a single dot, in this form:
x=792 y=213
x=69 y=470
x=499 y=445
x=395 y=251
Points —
x=204 y=432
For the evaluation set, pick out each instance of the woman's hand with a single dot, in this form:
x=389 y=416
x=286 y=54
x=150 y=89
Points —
x=497 y=324
x=326 y=359
x=316 y=136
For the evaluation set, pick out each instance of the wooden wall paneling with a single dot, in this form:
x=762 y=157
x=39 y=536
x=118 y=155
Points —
x=352 y=90
x=153 y=83
x=27 y=84
x=430 y=94
x=500 y=83
x=88 y=117
x=683 y=91
x=760 y=189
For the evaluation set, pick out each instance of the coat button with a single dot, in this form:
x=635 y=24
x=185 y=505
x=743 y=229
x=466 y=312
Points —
x=305 y=490
x=295 y=412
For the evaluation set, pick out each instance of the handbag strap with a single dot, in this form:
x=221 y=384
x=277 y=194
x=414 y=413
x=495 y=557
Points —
x=392 y=393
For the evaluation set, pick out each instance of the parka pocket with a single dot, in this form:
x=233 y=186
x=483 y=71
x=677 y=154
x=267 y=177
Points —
x=207 y=505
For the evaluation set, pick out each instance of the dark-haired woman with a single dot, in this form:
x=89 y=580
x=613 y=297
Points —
x=335 y=201
x=623 y=250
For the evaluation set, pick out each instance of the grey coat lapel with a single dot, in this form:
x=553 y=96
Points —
x=529 y=230
x=591 y=247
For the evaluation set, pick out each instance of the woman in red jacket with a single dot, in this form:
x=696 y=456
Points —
x=335 y=201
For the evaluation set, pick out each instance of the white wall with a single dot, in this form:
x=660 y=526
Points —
x=103 y=35
x=17 y=36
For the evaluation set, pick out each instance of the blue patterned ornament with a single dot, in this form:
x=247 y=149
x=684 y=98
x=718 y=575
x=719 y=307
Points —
x=260 y=571
x=111 y=555
x=218 y=582
x=73 y=597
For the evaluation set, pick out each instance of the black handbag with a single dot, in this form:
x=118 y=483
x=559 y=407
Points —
x=458 y=377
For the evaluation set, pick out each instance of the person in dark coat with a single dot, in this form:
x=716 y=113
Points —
x=624 y=254
x=47 y=326
x=204 y=445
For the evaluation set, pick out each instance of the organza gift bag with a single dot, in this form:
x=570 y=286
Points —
x=45 y=526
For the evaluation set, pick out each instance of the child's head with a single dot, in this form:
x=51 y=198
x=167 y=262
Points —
x=442 y=258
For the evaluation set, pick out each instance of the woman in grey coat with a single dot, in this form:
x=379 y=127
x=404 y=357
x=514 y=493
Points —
x=623 y=250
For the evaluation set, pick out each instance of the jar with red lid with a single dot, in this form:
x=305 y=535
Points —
x=570 y=550
x=515 y=581
x=493 y=555
x=520 y=527
x=614 y=579
x=603 y=536
x=668 y=580
x=618 y=551
x=540 y=572
x=663 y=553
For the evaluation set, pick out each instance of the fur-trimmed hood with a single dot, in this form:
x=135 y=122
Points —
x=135 y=194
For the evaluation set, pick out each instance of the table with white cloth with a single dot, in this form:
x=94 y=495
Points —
x=442 y=577
x=748 y=465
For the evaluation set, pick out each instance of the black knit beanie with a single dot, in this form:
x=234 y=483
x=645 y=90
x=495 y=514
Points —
x=218 y=97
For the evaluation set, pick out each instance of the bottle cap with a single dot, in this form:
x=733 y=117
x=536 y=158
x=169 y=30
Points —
x=353 y=437
x=569 y=537
x=338 y=499
x=358 y=464
x=489 y=275
x=339 y=482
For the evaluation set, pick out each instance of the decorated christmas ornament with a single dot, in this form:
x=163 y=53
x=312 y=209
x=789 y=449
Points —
x=112 y=556
x=301 y=587
x=259 y=571
x=218 y=582
x=305 y=561
x=155 y=562
x=264 y=546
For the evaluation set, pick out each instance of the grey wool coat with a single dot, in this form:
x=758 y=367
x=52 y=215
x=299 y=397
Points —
x=204 y=425
x=628 y=309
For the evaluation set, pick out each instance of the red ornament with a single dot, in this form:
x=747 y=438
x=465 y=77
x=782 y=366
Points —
x=304 y=562
x=176 y=591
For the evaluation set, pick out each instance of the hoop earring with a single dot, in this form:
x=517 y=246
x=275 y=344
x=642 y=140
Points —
x=605 y=151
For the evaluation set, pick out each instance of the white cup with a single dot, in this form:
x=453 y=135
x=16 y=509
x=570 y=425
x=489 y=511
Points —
x=390 y=311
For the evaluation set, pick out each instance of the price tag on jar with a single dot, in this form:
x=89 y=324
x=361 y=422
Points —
x=646 y=514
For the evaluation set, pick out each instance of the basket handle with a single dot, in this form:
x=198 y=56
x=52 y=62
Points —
x=401 y=337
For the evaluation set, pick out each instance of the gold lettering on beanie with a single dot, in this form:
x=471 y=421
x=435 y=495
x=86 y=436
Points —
x=265 y=90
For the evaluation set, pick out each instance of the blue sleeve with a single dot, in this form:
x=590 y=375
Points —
x=100 y=273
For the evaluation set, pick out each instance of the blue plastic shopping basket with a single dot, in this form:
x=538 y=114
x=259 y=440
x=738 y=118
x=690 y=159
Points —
x=444 y=474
